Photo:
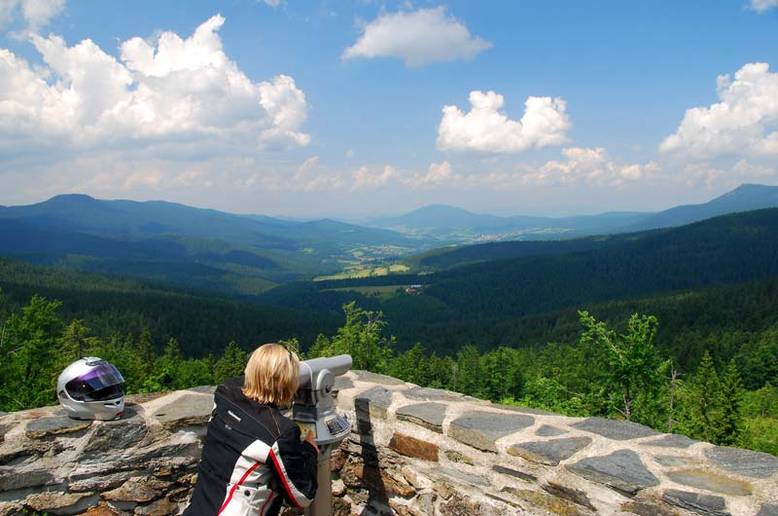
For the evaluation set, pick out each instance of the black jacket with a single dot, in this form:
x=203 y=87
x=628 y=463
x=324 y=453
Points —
x=253 y=459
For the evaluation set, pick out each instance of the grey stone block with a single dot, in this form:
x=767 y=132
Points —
x=367 y=376
x=482 y=429
x=621 y=470
x=768 y=509
x=696 y=502
x=671 y=441
x=549 y=431
x=613 y=429
x=743 y=462
x=711 y=481
x=429 y=394
x=372 y=403
x=186 y=409
x=550 y=452
x=429 y=415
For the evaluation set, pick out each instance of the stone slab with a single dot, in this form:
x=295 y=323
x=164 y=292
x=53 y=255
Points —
x=621 y=470
x=523 y=410
x=568 y=493
x=112 y=435
x=367 y=376
x=671 y=441
x=550 y=431
x=673 y=461
x=768 y=509
x=696 y=502
x=550 y=452
x=430 y=394
x=513 y=472
x=429 y=415
x=743 y=462
x=460 y=474
x=710 y=481
x=614 y=429
x=413 y=447
x=342 y=383
x=60 y=503
x=373 y=402
x=54 y=425
x=185 y=408
x=482 y=429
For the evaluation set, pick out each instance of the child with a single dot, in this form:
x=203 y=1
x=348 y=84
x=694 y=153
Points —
x=253 y=458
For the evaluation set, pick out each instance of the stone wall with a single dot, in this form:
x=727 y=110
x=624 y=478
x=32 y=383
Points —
x=414 y=451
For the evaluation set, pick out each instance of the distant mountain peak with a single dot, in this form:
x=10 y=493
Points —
x=78 y=197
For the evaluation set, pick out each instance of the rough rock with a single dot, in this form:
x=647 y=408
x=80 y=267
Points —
x=743 y=462
x=768 y=509
x=696 y=502
x=648 y=508
x=550 y=452
x=710 y=481
x=569 y=493
x=544 y=501
x=622 y=470
x=461 y=475
x=112 y=435
x=673 y=461
x=514 y=473
x=161 y=507
x=455 y=456
x=342 y=383
x=413 y=447
x=482 y=429
x=134 y=490
x=60 y=503
x=617 y=430
x=549 y=431
x=55 y=425
x=429 y=415
x=12 y=479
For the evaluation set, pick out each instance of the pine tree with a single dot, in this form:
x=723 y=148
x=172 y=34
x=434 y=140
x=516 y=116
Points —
x=705 y=401
x=729 y=426
x=231 y=363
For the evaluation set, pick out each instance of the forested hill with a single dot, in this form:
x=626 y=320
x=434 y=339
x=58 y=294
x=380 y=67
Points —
x=124 y=308
x=485 y=303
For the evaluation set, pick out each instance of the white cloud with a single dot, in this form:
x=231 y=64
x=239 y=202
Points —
x=35 y=13
x=369 y=178
x=590 y=166
x=486 y=128
x=743 y=122
x=436 y=175
x=173 y=90
x=761 y=6
x=272 y=3
x=417 y=37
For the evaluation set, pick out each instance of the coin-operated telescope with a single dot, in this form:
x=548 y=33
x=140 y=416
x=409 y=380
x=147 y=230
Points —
x=314 y=411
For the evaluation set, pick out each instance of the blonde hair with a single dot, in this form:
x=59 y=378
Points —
x=272 y=375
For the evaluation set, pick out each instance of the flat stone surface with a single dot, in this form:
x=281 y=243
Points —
x=614 y=429
x=671 y=441
x=550 y=452
x=11 y=478
x=648 y=508
x=547 y=502
x=133 y=490
x=549 y=431
x=455 y=456
x=463 y=476
x=373 y=403
x=413 y=447
x=743 y=462
x=711 y=481
x=60 y=503
x=342 y=383
x=367 y=376
x=768 y=509
x=673 y=461
x=513 y=472
x=568 y=493
x=696 y=502
x=482 y=429
x=54 y=425
x=429 y=415
x=524 y=410
x=183 y=409
x=430 y=394
x=622 y=470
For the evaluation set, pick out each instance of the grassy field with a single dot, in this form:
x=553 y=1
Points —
x=360 y=271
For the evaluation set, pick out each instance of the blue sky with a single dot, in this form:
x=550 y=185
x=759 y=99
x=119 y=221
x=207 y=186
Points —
x=362 y=131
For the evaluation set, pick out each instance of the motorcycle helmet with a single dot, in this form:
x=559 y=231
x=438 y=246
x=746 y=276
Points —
x=91 y=388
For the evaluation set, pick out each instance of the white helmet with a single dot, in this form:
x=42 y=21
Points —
x=91 y=388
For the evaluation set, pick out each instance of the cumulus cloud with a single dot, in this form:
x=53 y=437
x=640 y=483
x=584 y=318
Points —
x=743 y=121
x=590 y=166
x=171 y=90
x=35 y=13
x=761 y=6
x=486 y=128
x=437 y=174
x=272 y=3
x=417 y=37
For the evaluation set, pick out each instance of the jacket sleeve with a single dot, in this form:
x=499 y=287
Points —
x=294 y=463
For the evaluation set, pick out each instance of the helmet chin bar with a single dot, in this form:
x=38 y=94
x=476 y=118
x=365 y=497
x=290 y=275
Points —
x=314 y=411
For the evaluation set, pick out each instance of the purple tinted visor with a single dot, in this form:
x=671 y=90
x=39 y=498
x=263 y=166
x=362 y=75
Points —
x=102 y=382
